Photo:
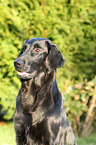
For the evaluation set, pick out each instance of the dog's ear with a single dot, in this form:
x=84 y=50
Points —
x=54 y=58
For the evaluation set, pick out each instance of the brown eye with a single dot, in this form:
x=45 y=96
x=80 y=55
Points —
x=37 y=49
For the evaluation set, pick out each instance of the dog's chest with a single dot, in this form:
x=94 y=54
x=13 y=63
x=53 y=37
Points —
x=38 y=133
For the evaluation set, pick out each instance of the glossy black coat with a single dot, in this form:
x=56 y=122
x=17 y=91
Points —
x=40 y=118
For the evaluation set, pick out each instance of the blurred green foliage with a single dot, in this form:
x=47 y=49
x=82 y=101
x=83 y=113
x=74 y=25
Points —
x=71 y=24
x=81 y=98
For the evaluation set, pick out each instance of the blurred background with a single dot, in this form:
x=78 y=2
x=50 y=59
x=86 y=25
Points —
x=71 y=24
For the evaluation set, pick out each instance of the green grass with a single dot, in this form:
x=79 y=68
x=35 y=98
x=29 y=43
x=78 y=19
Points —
x=7 y=136
x=90 y=140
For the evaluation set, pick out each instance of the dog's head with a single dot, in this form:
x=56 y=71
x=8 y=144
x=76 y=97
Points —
x=37 y=54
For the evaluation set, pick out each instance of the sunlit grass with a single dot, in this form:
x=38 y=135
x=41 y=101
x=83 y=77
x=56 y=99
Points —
x=90 y=140
x=7 y=136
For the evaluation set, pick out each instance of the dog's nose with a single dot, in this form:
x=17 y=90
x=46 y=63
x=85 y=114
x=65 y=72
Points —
x=18 y=63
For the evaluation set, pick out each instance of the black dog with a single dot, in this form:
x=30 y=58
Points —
x=40 y=118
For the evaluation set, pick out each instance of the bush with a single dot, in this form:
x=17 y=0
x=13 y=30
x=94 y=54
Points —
x=80 y=104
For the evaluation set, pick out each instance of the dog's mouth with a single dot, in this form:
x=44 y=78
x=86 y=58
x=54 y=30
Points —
x=26 y=75
x=22 y=73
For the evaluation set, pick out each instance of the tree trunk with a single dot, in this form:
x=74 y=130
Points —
x=89 y=117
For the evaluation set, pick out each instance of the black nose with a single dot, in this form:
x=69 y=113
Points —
x=18 y=63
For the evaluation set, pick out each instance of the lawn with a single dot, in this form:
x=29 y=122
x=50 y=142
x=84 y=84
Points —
x=7 y=136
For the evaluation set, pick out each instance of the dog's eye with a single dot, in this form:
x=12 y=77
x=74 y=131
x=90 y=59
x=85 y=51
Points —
x=37 y=49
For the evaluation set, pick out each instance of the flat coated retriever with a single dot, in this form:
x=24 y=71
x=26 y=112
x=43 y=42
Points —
x=40 y=118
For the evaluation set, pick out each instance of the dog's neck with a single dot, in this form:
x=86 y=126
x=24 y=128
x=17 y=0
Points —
x=40 y=92
x=35 y=89
x=40 y=81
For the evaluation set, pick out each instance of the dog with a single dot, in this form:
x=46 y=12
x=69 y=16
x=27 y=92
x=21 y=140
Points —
x=40 y=118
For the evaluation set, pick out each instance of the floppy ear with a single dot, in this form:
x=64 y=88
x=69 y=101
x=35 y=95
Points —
x=54 y=58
